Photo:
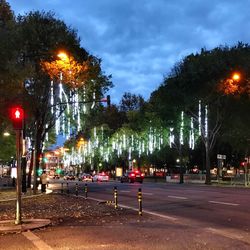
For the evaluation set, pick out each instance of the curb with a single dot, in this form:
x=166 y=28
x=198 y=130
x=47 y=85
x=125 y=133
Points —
x=9 y=226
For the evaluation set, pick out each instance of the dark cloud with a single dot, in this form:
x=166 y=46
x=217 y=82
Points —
x=140 y=41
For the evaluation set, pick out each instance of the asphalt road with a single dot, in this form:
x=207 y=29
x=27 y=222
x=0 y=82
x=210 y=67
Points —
x=221 y=210
x=185 y=216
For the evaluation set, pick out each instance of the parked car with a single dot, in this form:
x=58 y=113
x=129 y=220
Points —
x=86 y=177
x=69 y=177
x=194 y=170
x=101 y=177
x=56 y=176
x=132 y=176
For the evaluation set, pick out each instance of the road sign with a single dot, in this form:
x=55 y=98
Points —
x=221 y=157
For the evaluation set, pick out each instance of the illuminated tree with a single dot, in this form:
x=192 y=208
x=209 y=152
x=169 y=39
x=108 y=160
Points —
x=199 y=77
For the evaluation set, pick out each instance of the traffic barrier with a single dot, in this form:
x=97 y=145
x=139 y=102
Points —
x=86 y=191
x=115 y=197
x=76 y=189
x=67 y=188
x=140 y=201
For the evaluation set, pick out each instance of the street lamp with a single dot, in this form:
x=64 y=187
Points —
x=236 y=77
x=63 y=56
x=231 y=85
x=6 y=133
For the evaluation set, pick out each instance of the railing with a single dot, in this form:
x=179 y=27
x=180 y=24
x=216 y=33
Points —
x=188 y=178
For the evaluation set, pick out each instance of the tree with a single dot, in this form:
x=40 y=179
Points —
x=198 y=77
x=11 y=73
x=131 y=102
x=42 y=36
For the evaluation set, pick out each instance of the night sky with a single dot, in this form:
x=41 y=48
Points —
x=140 y=41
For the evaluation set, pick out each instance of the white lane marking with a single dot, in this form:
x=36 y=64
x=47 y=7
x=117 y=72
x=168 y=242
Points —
x=160 y=215
x=151 y=213
x=231 y=235
x=147 y=193
x=224 y=203
x=40 y=244
x=177 y=197
x=125 y=191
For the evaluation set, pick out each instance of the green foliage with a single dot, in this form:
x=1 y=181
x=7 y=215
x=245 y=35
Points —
x=130 y=102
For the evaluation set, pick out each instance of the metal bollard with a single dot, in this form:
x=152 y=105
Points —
x=62 y=188
x=67 y=188
x=115 y=197
x=76 y=189
x=86 y=191
x=140 y=201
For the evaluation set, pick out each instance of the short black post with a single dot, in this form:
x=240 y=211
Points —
x=115 y=197
x=140 y=201
x=67 y=188
x=76 y=189
x=62 y=188
x=86 y=191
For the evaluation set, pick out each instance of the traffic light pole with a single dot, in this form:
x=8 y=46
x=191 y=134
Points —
x=19 y=175
x=16 y=115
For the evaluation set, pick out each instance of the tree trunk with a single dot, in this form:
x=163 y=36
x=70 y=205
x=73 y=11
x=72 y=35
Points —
x=208 y=175
x=181 y=166
x=36 y=154
x=30 y=170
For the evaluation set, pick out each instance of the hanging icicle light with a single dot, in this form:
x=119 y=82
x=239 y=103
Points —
x=124 y=141
x=191 y=134
x=129 y=153
x=199 y=118
x=93 y=103
x=171 y=137
x=150 y=141
x=57 y=123
x=181 y=129
x=139 y=148
x=52 y=96
x=84 y=101
x=206 y=121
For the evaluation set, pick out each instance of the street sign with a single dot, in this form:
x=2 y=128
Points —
x=221 y=157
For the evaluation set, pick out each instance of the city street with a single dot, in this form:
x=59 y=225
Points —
x=221 y=210
x=175 y=216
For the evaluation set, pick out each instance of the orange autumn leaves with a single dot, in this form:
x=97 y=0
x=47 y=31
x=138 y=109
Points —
x=235 y=85
x=73 y=73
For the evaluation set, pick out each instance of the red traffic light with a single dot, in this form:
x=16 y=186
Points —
x=17 y=117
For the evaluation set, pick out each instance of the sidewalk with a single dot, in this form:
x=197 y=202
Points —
x=9 y=226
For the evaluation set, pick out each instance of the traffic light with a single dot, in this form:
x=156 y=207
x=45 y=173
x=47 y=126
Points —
x=17 y=117
x=59 y=171
x=108 y=100
x=39 y=171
